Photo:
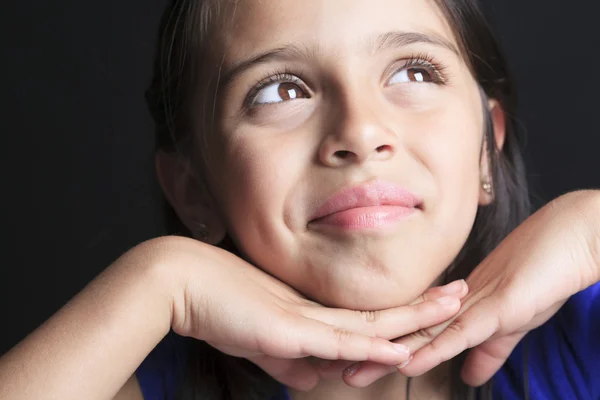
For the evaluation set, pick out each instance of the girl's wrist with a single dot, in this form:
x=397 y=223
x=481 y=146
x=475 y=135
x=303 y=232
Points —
x=587 y=209
x=165 y=274
x=177 y=261
x=594 y=241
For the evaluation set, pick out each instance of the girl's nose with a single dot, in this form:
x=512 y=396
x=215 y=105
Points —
x=357 y=136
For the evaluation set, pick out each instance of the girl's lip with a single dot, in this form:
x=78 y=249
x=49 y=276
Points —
x=369 y=202
x=366 y=217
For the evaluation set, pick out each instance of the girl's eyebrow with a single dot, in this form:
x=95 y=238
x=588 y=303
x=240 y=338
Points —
x=395 y=39
x=398 y=39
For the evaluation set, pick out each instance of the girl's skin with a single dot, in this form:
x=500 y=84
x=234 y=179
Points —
x=352 y=113
x=359 y=117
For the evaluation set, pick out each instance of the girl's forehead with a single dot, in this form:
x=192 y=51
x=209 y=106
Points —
x=329 y=25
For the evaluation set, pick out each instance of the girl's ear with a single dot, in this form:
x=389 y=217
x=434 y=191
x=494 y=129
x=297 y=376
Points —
x=498 y=122
x=486 y=190
x=189 y=197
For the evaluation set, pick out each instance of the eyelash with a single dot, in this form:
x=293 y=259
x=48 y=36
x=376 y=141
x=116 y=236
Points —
x=278 y=76
x=438 y=70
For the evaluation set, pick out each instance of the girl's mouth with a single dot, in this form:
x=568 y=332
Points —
x=373 y=205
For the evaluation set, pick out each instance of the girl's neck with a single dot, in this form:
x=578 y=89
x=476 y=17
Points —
x=434 y=385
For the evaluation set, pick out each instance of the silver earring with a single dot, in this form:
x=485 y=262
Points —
x=487 y=186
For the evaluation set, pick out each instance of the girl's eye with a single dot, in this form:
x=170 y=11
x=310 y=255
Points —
x=413 y=74
x=279 y=92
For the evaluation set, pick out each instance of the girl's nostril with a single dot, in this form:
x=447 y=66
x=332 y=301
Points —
x=343 y=154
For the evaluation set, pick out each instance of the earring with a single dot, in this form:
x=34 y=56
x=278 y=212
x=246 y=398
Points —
x=487 y=186
x=201 y=231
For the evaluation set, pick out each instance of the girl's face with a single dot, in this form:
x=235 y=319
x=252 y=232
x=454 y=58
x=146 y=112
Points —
x=348 y=154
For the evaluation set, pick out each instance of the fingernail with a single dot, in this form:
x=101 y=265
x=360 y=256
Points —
x=405 y=363
x=454 y=287
x=351 y=370
x=447 y=301
x=400 y=348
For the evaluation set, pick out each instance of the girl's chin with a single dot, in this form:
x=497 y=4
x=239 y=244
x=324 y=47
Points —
x=369 y=299
x=372 y=291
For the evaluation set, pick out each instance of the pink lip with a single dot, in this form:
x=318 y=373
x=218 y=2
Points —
x=372 y=205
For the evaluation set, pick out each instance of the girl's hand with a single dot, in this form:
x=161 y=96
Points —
x=551 y=256
x=244 y=312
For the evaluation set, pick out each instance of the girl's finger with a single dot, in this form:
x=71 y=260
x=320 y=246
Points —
x=486 y=359
x=457 y=288
x=481 y=364
x=305 y=337
x=472 y=328
x=363 y=374
x=329 y=369
x=419 y=338
x=392 y=323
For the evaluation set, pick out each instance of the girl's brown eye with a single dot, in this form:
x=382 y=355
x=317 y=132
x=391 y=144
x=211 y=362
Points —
x=290 y=91
x=279 y=92
x=419 y=75
x=413 y=74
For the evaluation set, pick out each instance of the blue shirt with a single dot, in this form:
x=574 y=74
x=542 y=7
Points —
x=563 y=358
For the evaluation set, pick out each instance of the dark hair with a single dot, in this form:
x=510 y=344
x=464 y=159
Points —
x=186 y=75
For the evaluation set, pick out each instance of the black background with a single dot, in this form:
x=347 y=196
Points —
x=78 y=184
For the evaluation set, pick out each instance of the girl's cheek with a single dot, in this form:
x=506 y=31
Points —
x=276 y=118
x=446 y=139
x=261 y=162
x=416 y=98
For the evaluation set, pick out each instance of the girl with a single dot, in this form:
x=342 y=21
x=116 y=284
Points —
x=349 y=159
